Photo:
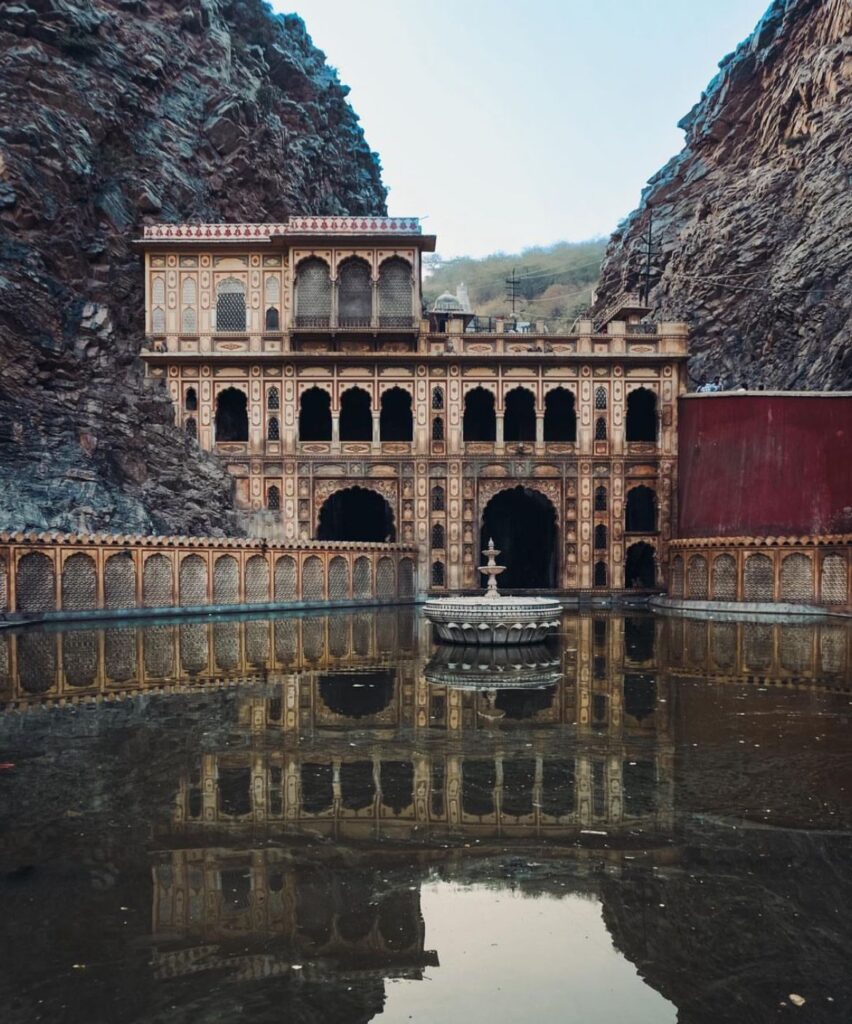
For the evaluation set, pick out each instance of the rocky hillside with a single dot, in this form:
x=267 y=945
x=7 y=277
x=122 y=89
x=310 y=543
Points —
x=112 y=113
x=752 y=220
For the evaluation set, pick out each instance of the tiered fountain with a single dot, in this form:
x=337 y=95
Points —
x=493 y=618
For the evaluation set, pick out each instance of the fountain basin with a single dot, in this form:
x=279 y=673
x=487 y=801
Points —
x=493 y=619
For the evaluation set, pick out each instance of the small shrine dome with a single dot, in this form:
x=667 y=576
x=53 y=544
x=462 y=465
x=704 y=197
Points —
x=447 y=303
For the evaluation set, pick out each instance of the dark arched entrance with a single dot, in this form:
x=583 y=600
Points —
x=356 y=417
x=231 y=416
x=356 y=514
x=523 y=524
x=639 y=572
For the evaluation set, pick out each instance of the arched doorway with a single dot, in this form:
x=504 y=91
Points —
x=639 y=569
x=522 y=522
x=356 y=513
x=231 y=415
x=640 y=514
x=480 y=421
x=519 y=416
x=356 y=417
x=641 y=415
x=395 y=420
x=315 y=415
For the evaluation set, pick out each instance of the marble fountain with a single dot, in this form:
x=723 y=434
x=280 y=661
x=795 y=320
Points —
x=493 y=618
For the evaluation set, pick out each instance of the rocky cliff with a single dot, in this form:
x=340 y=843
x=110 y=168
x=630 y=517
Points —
x=752 y=220
x=112 y=113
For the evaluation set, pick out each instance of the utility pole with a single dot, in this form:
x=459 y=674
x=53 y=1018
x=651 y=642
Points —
x=512 y=289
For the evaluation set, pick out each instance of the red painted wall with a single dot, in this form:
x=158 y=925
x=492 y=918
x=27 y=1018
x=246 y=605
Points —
x=764 y=464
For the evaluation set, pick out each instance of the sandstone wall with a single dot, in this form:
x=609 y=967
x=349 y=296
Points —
x=114 y=112
x=752 y=218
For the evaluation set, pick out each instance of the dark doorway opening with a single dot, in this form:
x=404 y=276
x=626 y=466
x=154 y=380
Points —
x=480 y=421
x=395 y=421
x=356 y=417
x=523 y=524
x=519 y=416
x=231 y=416
x=639 y=571
x=315 y=415
x=356 y=514
x=560 y=417
x=641 y=415
x=641 y=510
x=357 y=695
x=640 y=696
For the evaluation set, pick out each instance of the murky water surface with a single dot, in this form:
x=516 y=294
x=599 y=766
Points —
x=328 y=819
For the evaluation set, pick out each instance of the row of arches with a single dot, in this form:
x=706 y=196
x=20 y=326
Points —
x=259 y=580
x=357 y=295
x=721 y=579
x=396 y=422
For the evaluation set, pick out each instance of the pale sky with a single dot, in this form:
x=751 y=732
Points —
x=507 y=125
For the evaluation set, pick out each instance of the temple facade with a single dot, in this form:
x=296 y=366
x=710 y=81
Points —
x=302 y=355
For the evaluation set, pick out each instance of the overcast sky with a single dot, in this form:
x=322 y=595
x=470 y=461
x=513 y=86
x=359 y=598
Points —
x=516 y=124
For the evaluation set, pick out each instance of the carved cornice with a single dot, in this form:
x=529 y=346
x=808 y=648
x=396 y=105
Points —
x=809 y=540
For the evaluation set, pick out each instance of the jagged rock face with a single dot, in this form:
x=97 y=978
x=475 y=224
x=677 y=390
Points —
x=752 y=218
x=114 y=113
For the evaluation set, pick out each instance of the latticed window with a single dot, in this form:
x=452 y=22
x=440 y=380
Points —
x=273 y=398
x=158 y=320
x=600 y=574
x=833 y=582
x=273 y=289
x=257 y=579
x=273 y=498
x=438 y=498
x=285 y=578
x=696 y=642
x=79 y=584
x=120 y=654
x=438 y=536
x=226 y=580
x=385 y=578
x=189 y=299
x=437 y=398
x=438 y=428
x=157 y=582
x=600 y=429
x=120 y=582
x=395 y=293
x=191 y=427
x=313 y=294
x=157 y=651
x=354 y=294
x=158 y=291
x=600 y=498
x=79 y=657
x=437 y=574
x=338 y=579
x=696 y=578
x=757 y=641
x=273 y=429
x=677 y=576
x=231 y=305
x=600 y=398
x=795 y=648
x=312 y=579
x=193 y=658
x=192 y=581
x=797 y=578
x=832 y=642
x=362 y=577
x=725 y=578
x=189 y=320
x=226 y=645
x=600 y=537
x=758 y=578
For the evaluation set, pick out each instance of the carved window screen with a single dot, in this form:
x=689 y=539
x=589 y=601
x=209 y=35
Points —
x=231 y=305
x=395 y=294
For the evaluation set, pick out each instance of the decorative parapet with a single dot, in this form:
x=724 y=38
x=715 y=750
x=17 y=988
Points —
x=794 y=572
x=264 y=232
x=58 y=576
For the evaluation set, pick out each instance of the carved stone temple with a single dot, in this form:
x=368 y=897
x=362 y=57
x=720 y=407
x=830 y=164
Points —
x=302 y=355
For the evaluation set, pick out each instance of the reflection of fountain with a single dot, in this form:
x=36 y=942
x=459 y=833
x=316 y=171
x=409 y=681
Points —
x=492 y=617
x=498 y=668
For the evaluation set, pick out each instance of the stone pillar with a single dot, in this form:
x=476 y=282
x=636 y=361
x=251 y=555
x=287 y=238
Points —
x=333 y=317
x=499 y=434
x=539 y=428
x=335 y=429
x=374 y=314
